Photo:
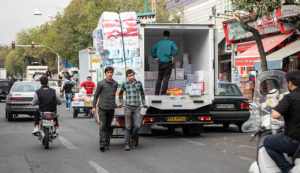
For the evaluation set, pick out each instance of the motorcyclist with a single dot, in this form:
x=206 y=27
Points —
x=47 y=99
x=288 y=108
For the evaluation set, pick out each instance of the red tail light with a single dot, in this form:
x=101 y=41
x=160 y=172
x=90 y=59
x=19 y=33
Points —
x=244 y=106
x=204 y=118
x=16 y=98
x=48 y=117
x=149 y=119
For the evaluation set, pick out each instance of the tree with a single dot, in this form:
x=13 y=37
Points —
x=3 y=53
x=257 y=9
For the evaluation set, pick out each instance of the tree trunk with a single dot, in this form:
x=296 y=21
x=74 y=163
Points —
x=244 y=23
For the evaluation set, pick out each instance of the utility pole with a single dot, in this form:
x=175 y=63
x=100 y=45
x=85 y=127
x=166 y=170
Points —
x=146 y=6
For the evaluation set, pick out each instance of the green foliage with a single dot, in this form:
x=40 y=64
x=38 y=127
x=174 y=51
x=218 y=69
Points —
x=72 y=30
x=3 y=53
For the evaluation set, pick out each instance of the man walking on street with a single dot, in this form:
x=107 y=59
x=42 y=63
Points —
x=289 y=140
x=89 y=86
x=106 y=90
x=12 y=80
x=134 y=94
x=67 y=88
x=164 y=52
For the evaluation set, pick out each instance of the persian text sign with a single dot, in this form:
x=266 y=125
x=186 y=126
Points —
x=245 y=62
x=265 y=25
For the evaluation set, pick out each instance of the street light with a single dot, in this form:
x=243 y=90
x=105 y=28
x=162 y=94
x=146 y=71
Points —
x=37 y=12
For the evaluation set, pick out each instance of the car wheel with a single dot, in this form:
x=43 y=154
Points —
x=9 y=116
x=225 y=125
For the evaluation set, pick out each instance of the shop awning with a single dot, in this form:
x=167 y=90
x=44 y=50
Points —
x=268 y=43
x=275 y=59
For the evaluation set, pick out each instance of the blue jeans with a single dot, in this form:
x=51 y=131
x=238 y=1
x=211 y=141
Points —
x=68 y=99
x=278 y=144
x=132 y=112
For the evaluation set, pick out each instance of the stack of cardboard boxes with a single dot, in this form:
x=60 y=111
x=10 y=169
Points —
x=180 y=79
x=246 y=87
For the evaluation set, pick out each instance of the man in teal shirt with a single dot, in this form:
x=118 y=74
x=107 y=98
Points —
x=164 y=52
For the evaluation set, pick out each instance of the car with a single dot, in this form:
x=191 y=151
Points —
x=55 y=84
x=229 y=106
x=19 y=99
x=3 y=89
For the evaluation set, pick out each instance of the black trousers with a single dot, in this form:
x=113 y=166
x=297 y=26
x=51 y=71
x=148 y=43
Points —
x=37 y=116
x=106 y=117
x=164 y=73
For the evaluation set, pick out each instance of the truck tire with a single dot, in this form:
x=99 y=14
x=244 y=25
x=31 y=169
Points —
x=194 y=130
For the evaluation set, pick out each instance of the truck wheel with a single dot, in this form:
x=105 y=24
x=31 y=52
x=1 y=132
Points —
x=75 y=113
x=194 y=130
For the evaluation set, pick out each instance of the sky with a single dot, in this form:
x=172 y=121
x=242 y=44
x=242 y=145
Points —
x=16 y=15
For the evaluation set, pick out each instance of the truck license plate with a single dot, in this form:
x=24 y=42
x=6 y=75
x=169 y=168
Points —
x=225 y=106
x=177 y=118
x=47 y=123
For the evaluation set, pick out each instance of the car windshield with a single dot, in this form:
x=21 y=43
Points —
x=25 y=87
x=228 y=89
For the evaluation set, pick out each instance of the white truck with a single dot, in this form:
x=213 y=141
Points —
x=3 y=75
x=34 y=72
x=188 y=112
x=89 y=65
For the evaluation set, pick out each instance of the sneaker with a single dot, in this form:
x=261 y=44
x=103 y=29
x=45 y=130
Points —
x=132 y=143
x=102 y=147
x=35 y=131
x=126 y=147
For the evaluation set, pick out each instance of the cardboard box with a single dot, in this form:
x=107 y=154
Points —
x=148 y=75
x=247 y=91
x=186 y=58
x=175 y=91
x=187 y=69
x=191 y=78
x=179 y=74
x=149 y=84
x=199 y=75
x=172 y=77
x=149 y=91
x=171 y=83
x=153 y=67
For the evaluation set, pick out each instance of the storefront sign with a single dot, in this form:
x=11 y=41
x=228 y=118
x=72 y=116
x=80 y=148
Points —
x=245 y=62
x=265 y=25
x=241 y=47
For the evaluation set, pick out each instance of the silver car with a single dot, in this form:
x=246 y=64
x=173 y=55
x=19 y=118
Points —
x=19 y=99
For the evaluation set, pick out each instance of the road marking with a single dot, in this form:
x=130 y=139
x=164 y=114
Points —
x=245 y=158
x=67 y=143
x=195 y=142
x=245 y=146
x=97 y=167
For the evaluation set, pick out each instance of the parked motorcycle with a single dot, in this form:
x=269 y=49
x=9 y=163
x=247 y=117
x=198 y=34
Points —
x=270 y=88
x=47 y=128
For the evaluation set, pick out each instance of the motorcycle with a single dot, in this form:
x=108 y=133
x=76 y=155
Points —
x=47 y=130
x=270 y=88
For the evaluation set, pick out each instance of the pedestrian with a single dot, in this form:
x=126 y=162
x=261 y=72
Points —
x=48 y=74
x=164 y=52
x=66 y=74
x=12 y=80
x=106 y=93
x=221 y=78
x=89 y=86
x=134 y=97
x=67 y=88
x=289 y=140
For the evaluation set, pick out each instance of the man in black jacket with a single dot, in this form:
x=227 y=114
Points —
x=289 y=140
x=47 y=99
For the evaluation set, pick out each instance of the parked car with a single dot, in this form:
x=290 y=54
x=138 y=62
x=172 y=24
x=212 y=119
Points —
x=19 y=99
x=55 y=85
x=3 y=89
x=229 y=106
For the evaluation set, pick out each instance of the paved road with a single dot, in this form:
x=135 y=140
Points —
x=77 y=150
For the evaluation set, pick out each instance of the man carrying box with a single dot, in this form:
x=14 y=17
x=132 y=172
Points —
x=164 y=52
